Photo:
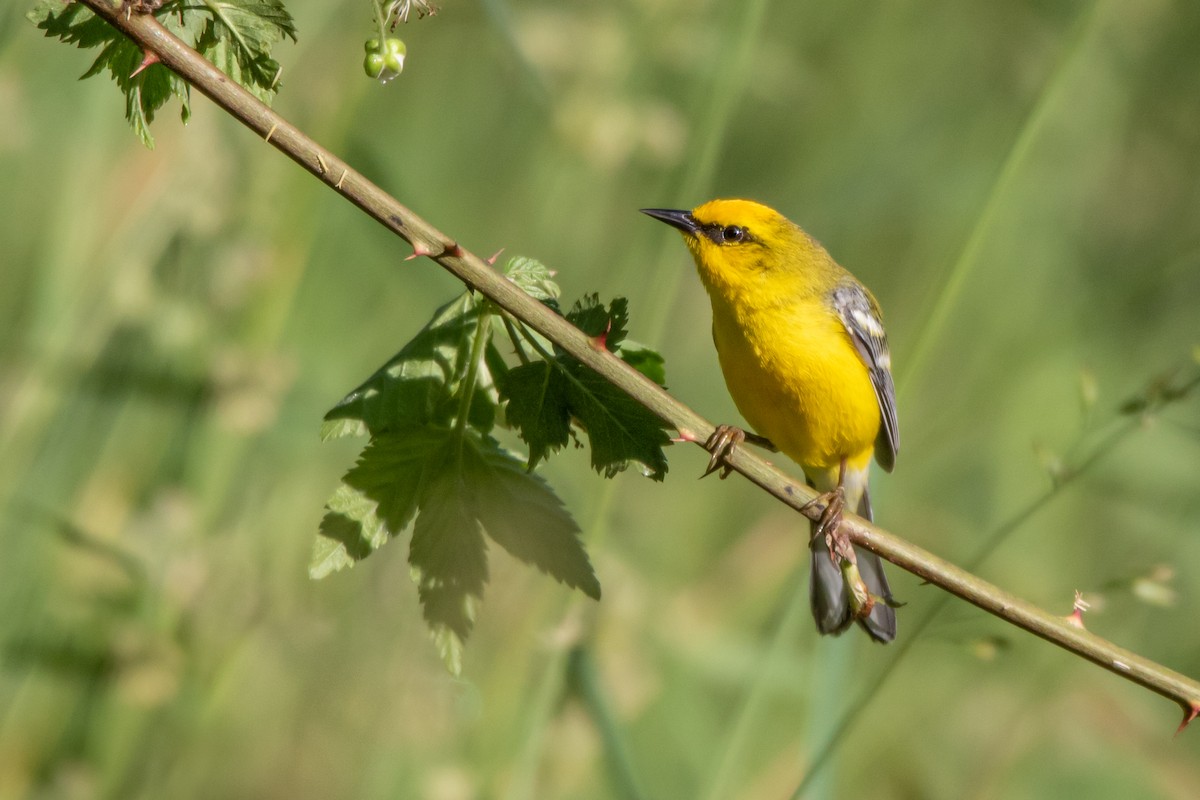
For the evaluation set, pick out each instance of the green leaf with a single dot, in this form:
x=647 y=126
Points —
x=520 y=512
x=350 y=531
x=452 y=486
x=393 y=470
x=533 y=277
x=256 y=24
x=71 y=22
x=645 y=360
x=240 y=38
x=236 y=35
x=537 y=407
x=449 y=557
x=542 y=401
x=377 y=498
x=619 y=429
x=337 y=428
x=476 y=489
x=418 y=385
x=543 y=398
x=591 y=317
x=147 y=91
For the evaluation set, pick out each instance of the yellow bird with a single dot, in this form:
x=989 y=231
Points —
x=803 y=350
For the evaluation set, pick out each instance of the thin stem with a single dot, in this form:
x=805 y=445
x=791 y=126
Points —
x=467 y=387
x=757 y=699
x=381 y=17
x=841 y=730
x=1034 y=122
x=428 y=241
x=515 y=338
x=731 y=76
x=585 y=682
x=949 y=290
x=539 y=707
x=536 y=345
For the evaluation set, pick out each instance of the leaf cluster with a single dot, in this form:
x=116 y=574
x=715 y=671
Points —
x=237 y=36
x=432 y=465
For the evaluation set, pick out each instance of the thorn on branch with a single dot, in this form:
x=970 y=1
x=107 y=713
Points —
x=1076 y=616
x=600 y=342
x=451 y=250
x=491 y=261
x=686 y=435
x=421 y=250
x=1190 y=712
x=149 y=58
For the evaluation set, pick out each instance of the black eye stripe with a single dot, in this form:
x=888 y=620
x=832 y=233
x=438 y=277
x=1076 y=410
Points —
x=726 y=234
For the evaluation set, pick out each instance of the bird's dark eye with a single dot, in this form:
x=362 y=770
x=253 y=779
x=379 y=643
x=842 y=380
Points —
x=733 y=233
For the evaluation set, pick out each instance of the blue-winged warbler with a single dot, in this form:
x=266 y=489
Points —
x=804 y=353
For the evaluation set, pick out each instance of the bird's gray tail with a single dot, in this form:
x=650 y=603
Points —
x=830 y=600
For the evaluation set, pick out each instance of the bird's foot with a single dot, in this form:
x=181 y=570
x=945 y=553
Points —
x=829 y=524
x=720 y=445
x=841 y=551
x=723 y=442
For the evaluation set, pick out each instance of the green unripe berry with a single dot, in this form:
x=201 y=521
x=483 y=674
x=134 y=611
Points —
x=385 y=60
x=373 y=65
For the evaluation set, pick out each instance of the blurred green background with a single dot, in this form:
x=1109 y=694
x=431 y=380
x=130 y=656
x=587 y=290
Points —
x=1018 y=183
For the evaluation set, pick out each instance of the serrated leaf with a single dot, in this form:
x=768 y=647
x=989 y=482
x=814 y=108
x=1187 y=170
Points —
x=239 y=40
x=417 y=386
x=475 y=489
x=257 y=24
x=519 y=512
x=588 y=314
x=619 y=429
x=236 y=35
x=147 y=91
x=71 y=22
x=453 y=487
x=449 y=644
x=591 y=317
x=448 y=556
x=337 y=428
x=645 y=360
x=377 y=497
x=537 y=408
x=350 y=531
x=543 y=400
x=394 y=469
x=533 y=277
x=618 y=323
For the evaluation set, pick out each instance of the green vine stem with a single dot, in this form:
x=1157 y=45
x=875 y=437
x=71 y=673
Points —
x=473 y=271
x=584 y=680
x=467 y=388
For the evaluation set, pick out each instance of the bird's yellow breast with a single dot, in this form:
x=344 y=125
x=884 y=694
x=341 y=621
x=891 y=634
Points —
x=795 y=376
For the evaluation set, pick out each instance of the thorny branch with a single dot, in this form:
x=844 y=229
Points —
x=473 y=271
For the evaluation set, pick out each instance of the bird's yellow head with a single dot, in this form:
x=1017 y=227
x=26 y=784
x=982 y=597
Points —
x=740 y=246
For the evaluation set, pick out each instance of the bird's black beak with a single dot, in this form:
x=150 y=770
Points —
x=676 y=218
